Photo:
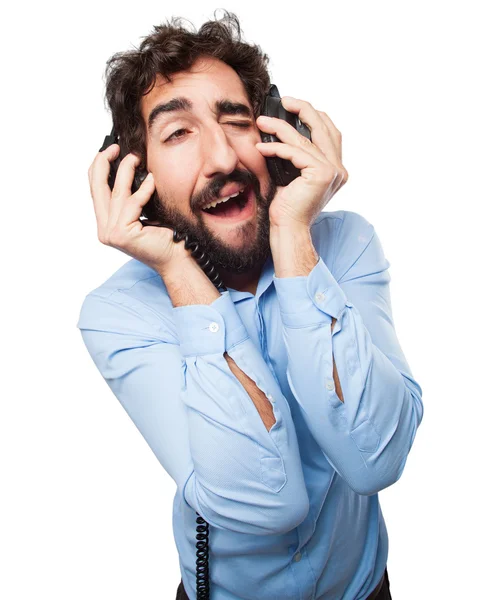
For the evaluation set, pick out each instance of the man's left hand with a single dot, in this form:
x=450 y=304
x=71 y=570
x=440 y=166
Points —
x=319 y=160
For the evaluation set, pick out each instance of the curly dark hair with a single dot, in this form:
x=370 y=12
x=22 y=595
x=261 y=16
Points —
x=170 y=48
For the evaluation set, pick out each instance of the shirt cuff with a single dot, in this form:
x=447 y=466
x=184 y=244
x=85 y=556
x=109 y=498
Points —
x=209 y=328
x=310 y=299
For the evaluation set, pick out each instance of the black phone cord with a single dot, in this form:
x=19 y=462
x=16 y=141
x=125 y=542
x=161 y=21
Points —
x=201 y=258
x=202 y=530
x=202 y=566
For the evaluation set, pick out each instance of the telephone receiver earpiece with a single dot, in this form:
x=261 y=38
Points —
x=282 y=171
x=140 y=174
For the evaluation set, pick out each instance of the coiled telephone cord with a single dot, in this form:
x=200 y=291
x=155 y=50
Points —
x=202 y=566
x=202 y=530
x=201 y=258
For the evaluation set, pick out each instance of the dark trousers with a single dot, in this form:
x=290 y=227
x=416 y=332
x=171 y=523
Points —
x=381 y=592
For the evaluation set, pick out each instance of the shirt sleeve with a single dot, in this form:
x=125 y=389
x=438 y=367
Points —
x=194 y=413
x=366 y=438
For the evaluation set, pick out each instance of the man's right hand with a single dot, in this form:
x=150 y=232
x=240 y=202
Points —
x=118 y=212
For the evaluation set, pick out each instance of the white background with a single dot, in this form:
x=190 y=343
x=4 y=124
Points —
x=85 y=506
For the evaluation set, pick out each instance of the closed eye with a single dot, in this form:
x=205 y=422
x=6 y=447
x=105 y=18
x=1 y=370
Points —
x=174 y=135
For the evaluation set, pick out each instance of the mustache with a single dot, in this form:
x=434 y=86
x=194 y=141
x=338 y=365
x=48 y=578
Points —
x=212 y=190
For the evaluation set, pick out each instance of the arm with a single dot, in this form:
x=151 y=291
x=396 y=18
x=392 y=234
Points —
x=366 y=434
x=295 y=256
x=195 y=414
x=187 y=284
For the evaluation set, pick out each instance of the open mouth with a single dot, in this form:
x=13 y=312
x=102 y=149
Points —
x=235 y=209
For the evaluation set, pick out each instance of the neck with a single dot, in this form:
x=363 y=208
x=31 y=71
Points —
x=242 y=282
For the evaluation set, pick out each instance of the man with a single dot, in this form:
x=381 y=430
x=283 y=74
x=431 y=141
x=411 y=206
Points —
x=283 y=405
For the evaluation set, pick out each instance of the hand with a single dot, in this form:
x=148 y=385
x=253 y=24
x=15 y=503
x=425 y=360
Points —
x=320 y=162
x=118 y=211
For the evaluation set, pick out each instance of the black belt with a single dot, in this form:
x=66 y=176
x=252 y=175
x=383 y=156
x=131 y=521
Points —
x=377 y=589
x=181 y=593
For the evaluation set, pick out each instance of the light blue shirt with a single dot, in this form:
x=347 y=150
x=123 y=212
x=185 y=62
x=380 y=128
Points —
x=293 y=512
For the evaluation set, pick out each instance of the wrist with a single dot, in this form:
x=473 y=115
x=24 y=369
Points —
x=292 y=250
x=186 y=282
x=179 y=260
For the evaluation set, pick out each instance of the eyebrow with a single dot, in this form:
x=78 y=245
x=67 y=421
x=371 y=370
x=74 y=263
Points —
x=182 y=104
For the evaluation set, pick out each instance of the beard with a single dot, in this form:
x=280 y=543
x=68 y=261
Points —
x=255 y=247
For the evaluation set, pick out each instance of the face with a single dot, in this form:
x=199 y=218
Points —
x=206 y=151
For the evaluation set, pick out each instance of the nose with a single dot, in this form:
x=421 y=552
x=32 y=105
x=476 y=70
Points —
x=219 y=154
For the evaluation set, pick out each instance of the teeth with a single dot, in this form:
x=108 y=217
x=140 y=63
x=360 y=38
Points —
x=221 y=200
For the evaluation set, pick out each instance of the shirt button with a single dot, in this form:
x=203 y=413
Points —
x=330 y=385
x=319 y=297
x=297 y=557
x=270 y=397
x=214 y=327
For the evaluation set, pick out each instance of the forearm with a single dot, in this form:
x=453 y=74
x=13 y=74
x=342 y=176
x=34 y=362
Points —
x=263 y=405
x=366 y=436
x=170 y=375
x=187 y=284
x=292 y=250
x=293 y=256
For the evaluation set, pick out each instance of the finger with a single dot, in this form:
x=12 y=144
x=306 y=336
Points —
x=302 y=160
x=334 y=132
x=336 y=135
x=135 y=203
x=99 y=188
x=320 y=134
x=122 y=188
x=288 y=134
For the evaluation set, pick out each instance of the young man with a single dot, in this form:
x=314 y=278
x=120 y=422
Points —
x=283 y=405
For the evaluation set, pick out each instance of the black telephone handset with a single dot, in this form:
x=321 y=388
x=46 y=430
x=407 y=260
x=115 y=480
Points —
x=282 y=172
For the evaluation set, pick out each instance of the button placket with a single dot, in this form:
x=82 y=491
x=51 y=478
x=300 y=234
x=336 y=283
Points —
x=261 y=325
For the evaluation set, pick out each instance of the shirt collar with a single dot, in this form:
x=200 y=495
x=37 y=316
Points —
x=265 y=280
